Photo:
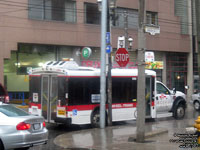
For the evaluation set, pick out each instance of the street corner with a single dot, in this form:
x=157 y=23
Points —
x=148 y=135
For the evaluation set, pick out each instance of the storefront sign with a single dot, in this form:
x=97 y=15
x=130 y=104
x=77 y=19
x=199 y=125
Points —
x=154 y=65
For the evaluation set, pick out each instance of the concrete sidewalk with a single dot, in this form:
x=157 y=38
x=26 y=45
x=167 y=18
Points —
x=119 y=137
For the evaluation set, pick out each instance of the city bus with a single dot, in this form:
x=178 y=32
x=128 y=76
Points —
x=63 y=92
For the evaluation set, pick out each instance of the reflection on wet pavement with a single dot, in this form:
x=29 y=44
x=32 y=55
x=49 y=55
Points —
x=116 y=137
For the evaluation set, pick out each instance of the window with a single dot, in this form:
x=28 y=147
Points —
x=124 y=90
x=12 y=111
x=81 y=90
x=58 y=10
x=92 y=15
x=62 y=89
x=152 y=18
x=161 y=89
x=132 y=17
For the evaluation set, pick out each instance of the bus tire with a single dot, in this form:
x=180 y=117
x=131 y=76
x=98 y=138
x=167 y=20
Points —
x=95 y=119
x=179 y=112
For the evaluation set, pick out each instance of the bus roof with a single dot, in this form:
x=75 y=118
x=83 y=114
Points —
x=71 y=68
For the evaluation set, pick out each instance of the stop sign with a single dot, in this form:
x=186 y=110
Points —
x=122 y=57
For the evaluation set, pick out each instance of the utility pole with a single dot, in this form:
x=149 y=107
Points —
x=103 y=63
x=109 y=71
x=126 y=29
x=141 y=108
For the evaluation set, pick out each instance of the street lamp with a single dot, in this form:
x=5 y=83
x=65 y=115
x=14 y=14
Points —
x=178 y=77
x=130 y=42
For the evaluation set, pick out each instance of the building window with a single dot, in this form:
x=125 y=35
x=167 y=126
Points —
x=92 y=15
x=132 y=17
x=152 y=18
x=58 y=10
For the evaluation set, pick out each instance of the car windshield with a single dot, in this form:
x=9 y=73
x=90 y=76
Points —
x=12 y=111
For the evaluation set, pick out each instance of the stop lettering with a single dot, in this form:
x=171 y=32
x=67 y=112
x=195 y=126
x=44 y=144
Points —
x=122 y=57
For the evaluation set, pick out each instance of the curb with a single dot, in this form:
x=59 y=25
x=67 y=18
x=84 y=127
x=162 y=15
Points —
x=149 y=134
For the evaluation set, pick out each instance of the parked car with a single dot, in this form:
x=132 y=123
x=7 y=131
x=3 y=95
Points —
x=196 y=101
x=3 y=94
x=18 y=129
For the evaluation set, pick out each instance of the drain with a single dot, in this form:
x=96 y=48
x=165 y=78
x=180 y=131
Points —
x=79 y=148
x=146 y=141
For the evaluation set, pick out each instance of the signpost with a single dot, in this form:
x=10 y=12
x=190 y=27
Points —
x=122 y=57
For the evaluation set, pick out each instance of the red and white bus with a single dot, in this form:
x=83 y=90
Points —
x=63 y=92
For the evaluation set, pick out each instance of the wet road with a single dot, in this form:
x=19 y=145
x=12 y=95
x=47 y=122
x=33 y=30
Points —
x=63 y=137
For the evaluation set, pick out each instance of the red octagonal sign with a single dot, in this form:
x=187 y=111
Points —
x=122 y=57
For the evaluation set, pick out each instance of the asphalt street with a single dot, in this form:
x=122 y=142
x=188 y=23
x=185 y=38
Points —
x=63 y=137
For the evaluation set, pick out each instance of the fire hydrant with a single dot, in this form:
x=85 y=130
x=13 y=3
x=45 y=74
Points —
x=197 y=126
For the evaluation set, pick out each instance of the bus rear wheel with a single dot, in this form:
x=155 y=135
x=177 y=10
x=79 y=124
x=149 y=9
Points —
x=95 y=119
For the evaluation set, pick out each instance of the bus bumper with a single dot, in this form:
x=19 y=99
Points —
x=63 y=120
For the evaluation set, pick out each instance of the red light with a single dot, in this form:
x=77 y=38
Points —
x=44 y=124
x=23 y=126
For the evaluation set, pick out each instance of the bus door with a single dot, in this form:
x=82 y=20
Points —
x=49 y=94
x=148 y=96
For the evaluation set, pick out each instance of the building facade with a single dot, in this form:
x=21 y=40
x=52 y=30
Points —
x=36 y=31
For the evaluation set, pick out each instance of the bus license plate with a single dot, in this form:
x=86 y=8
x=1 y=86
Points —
x=36 y=126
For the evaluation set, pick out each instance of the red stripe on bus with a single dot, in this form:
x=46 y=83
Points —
x=124 y=76
x=91 y=107
x=82 y=107
x=34 y=104
x=34 y=75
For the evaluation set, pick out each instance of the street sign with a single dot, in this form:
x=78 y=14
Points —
x=149 y=57
x=86 y=52
x=122 y=57
x=108 y=49
x=107 y=37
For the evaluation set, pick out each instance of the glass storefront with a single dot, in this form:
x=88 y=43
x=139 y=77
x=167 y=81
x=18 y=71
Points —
x=29 y=56
x=177 y=71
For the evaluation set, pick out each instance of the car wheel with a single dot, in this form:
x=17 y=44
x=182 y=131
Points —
x=95 y=119
x=196 y=105
x=1 y=145
x=179 y=112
